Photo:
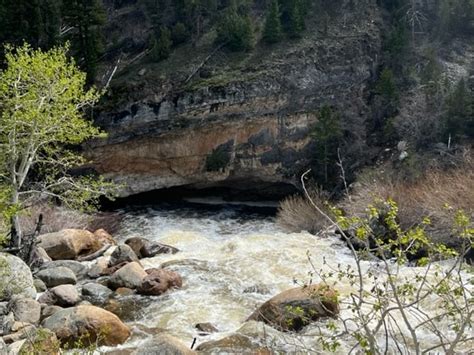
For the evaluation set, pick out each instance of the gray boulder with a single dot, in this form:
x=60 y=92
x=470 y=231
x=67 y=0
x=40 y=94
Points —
x=15 y=278
x=123 y=253
x=63 y=295
x=79 y=269
x=56 y=276
x=130 y=276
x=96 y=293
x=25 y=310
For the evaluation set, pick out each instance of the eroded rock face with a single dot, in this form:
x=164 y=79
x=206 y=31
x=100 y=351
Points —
x=293 y=309
x=243 y=125
x=69 y=243
x=89 y=324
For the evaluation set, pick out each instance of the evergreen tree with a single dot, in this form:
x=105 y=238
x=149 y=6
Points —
x=87 y=18
x=296 y=20
x=179 y=33
x=459 y=116
x=235 y=31
x=272 y=32
x=161 y=48
x=327 y=135
x=386 y=87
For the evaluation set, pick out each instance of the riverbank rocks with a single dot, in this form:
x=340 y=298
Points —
x=15 y=278
x=69 y=243
x=25 y=310
x=130 y=276
x=158 y=281
x=122 y=254
x=206 y=328
x=96 y=293
x=56 y=276
x=233 y=344
x=143 y=248
x=164 y=344
x=104 y=237
x=89 y=325
x=41 y=342
x=293 y=309
x=80 y=269
x=63 y=295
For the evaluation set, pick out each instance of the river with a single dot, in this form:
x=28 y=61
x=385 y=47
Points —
x=232 y=259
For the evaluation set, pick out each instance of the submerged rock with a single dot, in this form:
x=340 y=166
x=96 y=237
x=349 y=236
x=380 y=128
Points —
x=206 y=328
x=88 y=324
x=233 y=344
x=293 y=309
x=158 y=281
x=164 y=344
x=144 y=248
x=69 y=243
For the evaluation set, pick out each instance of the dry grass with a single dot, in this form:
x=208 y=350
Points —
x=428 y=196
x=296 y=213
x=56 y=218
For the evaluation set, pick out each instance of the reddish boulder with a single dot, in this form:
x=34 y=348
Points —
x=158 y=281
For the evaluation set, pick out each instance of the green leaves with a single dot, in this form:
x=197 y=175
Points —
x=42 y=108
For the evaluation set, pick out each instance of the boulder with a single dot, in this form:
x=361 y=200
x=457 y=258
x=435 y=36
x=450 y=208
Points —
x=40 y=286
x=233 y=344
x=293 y=309
x=98 y=268
x=15 y=278
x=63 y=295
x=158 y=281
x=6 y=323
x=143 y=248
x=3 y=308
x=48 y=311
x=3 y=347
x=164 y=344
x=39 y=256
x=89 y=324
x=96 y=293
x=104 y=237
x=56 y=276
x=25 y=310
x=122 y=254
x=20 y=332
x=42 y=342
x=69 y=243
x=130 y=276
x=79 y=269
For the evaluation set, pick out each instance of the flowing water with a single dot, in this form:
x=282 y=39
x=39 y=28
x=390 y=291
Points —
x=231 y=261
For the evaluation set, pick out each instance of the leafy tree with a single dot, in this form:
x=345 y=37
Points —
x=272 y=32
x=86 y=17
x=235 y=31
x=161 y=48
x=327 y=134
x=42 y=102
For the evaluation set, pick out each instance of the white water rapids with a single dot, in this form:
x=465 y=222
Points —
x=231 y=262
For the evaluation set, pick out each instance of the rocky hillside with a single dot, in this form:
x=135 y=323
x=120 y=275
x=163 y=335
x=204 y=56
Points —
x=206 y=117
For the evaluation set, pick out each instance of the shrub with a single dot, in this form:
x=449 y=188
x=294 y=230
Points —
x=235 y=31
x=296 y=213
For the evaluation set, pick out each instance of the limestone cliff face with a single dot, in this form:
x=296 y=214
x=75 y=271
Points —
x=237 y=125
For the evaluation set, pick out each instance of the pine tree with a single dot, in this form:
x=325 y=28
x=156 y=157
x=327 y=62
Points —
x=272 y=32
x=161 y=48
x=87 y=17
x=235 y=31
x=459 y=116
x=296 y=20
